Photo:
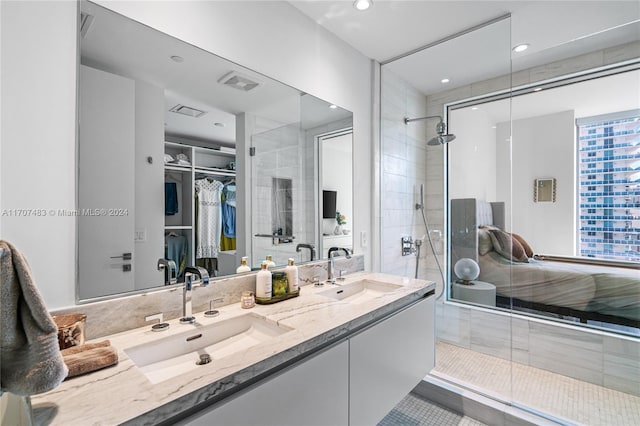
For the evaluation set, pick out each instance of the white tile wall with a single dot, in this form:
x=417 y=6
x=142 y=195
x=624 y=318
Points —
x=404 y=167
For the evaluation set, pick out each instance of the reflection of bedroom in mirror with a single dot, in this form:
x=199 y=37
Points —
x=573 y=257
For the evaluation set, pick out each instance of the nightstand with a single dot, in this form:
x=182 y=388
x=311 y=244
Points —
x=478 y=292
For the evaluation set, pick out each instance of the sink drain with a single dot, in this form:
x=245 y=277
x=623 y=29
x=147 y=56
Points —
x=204 y=359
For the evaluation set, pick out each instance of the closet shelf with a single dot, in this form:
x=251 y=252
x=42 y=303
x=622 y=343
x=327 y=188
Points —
x=214 y=171
x=177 y=168
x=224 y=151
x=178 y=227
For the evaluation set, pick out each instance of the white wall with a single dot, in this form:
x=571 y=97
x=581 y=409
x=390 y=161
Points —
x=472 y=155
x=39 y=80
x=336 y=176
x=38 y=122
x=149 y=191
x=542 y=147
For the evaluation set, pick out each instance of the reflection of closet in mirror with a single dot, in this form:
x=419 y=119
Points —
x=166 y=96
x=197 y=231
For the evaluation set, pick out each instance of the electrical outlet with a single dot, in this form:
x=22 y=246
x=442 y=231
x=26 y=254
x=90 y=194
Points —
x=363 y=239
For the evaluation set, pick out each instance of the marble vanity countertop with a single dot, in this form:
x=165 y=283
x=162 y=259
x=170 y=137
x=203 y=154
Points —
x=123 y=394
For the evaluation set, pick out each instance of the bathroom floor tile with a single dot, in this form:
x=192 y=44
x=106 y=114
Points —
x=561 y=396
x=416 y=411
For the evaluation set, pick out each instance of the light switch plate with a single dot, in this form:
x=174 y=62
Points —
x=140 y=235
x=363 y=239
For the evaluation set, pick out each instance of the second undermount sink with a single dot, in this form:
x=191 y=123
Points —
x=359 y=291
x=177 y=354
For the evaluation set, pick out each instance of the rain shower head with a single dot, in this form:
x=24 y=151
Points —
x=442 y=138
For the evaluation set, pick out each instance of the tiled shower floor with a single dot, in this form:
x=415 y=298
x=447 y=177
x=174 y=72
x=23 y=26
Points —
x=552 y=393
x=415 y=411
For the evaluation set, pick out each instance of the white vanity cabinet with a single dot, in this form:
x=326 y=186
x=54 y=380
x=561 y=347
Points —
x=388 y=360
x=356 y=382
x=314 y=392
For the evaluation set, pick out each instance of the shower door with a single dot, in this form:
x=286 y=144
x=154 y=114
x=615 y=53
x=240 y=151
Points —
x=459 y=178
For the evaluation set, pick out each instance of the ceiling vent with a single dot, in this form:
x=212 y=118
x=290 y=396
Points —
x=185 y=110
x=238 y=81
x=85 y=22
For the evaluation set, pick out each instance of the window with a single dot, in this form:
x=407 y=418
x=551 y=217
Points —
x=612 y=139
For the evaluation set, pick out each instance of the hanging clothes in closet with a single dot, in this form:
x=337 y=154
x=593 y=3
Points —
x=170 y=198
x=228 y=237
x=208 y=223
x=176 y=248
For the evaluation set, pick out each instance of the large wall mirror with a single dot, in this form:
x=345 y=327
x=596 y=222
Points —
x=185 y=158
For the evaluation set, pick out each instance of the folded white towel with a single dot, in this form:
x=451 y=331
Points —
x=31 y=359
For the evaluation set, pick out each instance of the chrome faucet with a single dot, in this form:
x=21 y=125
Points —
x=330 y=278
x=191 y=282
x=309 y=246
x=169 y=268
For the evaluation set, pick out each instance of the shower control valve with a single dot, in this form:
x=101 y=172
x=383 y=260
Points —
x=408 y=246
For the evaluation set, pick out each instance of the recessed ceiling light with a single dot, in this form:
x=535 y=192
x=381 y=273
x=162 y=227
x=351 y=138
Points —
x=474 y=108
x=444 y=80
x=333 y=106
x=521 y=47
x=176 y=58
x=219 y=124
x=186 y=110
x=362 y=5
x=537 y=89
x=494 y=127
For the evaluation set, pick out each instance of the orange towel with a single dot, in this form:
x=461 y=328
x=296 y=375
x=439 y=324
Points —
x=89 y=357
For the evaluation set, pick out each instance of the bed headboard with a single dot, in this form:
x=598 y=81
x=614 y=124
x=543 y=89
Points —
x=466 y=215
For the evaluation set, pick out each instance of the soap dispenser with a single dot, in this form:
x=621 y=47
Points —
x=243 y=266
x=292 y=275
x=270 y=262
x=263 y=282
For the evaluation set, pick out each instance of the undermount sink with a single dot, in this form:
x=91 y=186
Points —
x=177 y=354
x=359 y=291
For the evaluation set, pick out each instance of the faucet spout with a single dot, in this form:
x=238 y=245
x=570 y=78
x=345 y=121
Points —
x=308 y=246
x=169 y=268
x=190 y=282
x=330 y=271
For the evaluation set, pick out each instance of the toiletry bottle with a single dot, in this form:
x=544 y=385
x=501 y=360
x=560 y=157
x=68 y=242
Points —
x=243 y=266
x=263 y=282
x=270 y=262
x=292 y=275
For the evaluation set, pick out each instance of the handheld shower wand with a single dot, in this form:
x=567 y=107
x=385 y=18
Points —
x=420 y=206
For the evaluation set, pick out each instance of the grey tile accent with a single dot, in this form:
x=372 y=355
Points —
x=563 y=351
x=622 y=364
x=453 y=324
x=520 y=340
x=491 y=334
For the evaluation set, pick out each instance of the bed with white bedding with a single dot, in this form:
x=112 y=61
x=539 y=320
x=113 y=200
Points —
x=569 y=286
